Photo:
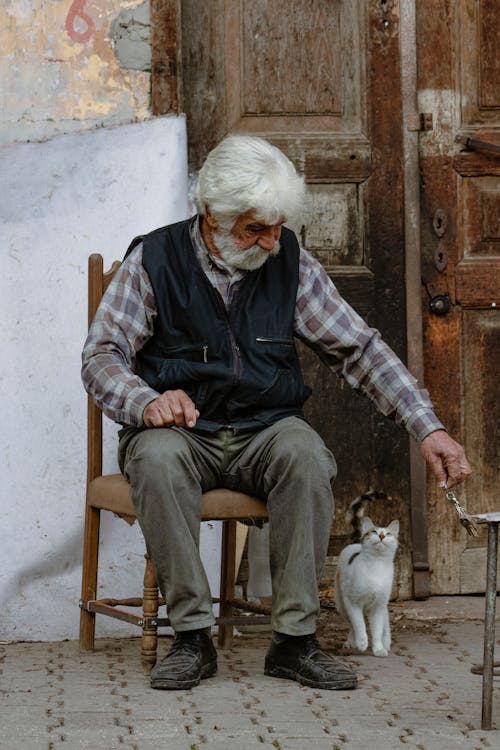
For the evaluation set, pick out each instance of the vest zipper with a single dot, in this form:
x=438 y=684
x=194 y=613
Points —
x=217 y=296
x=234 y=346
x=265 y=340
x=236 y=357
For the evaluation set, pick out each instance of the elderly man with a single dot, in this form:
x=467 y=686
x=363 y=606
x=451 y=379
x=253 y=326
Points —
x=192 y=352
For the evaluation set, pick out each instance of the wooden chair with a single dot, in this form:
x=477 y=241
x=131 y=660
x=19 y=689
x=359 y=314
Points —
x=111 y=493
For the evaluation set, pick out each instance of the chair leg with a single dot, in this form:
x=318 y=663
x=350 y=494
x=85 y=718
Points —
x=227 y=580
x=89 y=576
x=149 y=609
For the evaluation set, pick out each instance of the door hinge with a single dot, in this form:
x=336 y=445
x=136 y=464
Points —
x=420 y=121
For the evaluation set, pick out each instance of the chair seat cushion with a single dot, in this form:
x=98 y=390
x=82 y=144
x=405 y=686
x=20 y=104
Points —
x=112 y=492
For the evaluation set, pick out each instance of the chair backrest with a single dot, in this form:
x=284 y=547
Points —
x=99 y=281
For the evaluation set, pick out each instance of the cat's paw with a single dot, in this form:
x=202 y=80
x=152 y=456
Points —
x=361 y=643
x=353 y=644
x=380 y=651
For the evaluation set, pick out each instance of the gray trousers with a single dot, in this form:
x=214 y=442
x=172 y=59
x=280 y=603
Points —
x=288 y=463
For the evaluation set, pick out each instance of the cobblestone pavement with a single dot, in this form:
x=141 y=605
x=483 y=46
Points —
x=422 y=696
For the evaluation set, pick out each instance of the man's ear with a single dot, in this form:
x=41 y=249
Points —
x=210 y=219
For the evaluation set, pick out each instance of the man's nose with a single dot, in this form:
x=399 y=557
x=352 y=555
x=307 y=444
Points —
x=268 y=238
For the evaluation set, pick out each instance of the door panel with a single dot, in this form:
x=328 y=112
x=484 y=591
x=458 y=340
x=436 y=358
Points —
x=460 y=83
x=299 y=72
x=322 y=82
x=478 y=269
x=477 y=25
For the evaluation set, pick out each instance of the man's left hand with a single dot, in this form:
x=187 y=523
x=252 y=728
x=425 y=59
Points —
x=446 y=459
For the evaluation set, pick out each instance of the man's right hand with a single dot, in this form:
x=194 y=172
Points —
x=172 y=407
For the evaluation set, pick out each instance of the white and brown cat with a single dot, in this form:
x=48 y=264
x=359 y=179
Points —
x=363 y=586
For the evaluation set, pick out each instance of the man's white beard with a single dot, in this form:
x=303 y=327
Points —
x=245 y=260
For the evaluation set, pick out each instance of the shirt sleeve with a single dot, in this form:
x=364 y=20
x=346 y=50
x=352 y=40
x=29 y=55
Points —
x=121 y=326
x=357 y=353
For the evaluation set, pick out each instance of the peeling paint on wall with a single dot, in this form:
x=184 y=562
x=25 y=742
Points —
x=131 y=35
x=60 y=72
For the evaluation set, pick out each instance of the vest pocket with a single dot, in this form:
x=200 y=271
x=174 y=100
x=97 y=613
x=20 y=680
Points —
x=191 y=352
x=185 y=375
x=284 y=390
x=280 y=364
x=277 y=377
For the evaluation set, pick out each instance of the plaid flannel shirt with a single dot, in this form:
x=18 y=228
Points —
x=354 y=351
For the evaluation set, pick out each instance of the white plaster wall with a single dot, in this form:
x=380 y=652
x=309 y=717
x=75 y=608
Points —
x=59 y=201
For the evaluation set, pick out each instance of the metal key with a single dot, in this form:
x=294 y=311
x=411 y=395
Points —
x=464 y=518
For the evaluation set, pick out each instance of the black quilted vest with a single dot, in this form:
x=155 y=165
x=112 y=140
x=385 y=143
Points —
x=239 y=367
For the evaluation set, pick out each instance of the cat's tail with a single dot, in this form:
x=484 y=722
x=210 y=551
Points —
x=358 y=509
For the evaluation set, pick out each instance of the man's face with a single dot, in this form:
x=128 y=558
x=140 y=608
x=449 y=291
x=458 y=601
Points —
x=249 y=243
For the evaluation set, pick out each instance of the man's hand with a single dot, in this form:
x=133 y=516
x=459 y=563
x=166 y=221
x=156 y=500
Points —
x=446 y=458
x=172 y=407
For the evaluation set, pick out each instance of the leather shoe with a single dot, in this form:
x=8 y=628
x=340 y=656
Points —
x=191 y=658
x=301 y=658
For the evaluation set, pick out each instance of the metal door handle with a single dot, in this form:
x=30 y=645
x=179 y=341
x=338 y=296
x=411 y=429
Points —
x=474 y=144
x=440 y=305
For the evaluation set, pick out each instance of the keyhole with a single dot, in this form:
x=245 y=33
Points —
x=440 y=259
x=439 y=222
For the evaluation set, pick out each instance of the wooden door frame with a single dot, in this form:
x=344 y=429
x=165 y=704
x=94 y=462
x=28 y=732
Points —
x=411 y=126
x=166 y=77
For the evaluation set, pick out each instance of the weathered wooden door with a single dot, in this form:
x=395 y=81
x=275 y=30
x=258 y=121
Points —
x=459 y=64
x=321 y=80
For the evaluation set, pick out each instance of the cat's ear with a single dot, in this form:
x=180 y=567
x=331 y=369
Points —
x=393 y=527
x=366 y=524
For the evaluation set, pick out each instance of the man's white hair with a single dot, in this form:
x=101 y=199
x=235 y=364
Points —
x=245 y=173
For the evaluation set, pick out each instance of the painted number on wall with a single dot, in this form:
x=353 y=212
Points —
x=79 y=24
